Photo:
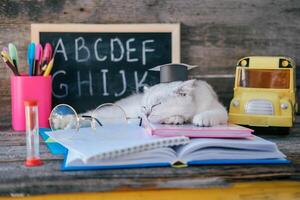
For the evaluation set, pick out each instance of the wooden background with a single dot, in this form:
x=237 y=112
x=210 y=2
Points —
x=214 y=33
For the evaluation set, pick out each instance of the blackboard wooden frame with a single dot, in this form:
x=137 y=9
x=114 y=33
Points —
x=174 y=29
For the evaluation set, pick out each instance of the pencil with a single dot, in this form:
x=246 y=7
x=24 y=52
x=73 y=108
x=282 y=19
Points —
x=49 y=67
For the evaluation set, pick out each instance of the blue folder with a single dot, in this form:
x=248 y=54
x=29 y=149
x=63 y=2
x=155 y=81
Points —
x=56 y=148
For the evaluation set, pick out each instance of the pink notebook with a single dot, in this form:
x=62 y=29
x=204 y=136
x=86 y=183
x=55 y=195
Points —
x=190 y=130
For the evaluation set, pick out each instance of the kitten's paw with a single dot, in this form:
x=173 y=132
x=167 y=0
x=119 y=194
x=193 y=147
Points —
x=177 y=119
x=206 y=118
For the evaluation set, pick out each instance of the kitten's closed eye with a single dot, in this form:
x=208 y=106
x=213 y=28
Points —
x=148 y=111
x=182 y=94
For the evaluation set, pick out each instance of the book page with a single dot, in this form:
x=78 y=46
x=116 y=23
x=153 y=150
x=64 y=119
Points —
x=230 y=154
x=111 y=141
x=218 y=148
x=161 y=155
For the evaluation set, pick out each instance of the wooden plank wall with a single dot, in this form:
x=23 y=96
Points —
x=215 y=34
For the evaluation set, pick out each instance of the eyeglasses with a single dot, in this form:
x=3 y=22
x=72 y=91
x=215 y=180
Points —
x=64 y=116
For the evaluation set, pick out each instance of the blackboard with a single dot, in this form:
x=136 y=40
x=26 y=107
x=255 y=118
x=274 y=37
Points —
x=95 y=64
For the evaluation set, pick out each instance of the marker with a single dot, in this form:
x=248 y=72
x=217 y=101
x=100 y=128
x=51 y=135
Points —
x=49 y=67
x=13 y=53
x=47 y=56
x=30 y=58
x=38 y=59
x=9 y=63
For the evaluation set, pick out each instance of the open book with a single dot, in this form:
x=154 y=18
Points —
x=129 y=146
x=190 y=130
x=111 y=141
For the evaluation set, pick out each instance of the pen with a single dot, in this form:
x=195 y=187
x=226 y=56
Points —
x=9 y=63
x=30 y=58
x=13 y=53
x=38 y=59
x=49 y=67
x=47 y=56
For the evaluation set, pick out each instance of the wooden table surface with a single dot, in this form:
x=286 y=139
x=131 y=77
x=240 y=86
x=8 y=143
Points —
x=16 y=179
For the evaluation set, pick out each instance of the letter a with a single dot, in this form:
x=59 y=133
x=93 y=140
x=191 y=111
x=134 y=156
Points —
x=62 y=50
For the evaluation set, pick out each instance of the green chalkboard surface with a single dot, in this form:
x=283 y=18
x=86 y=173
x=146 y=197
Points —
x=95 y=67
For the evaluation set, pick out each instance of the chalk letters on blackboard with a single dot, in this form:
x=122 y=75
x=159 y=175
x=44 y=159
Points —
x=139 y=84
x=88 y=82
x=62 y=50
x=122 y=72
x=117 y=50
x=99 y=58
x=83 y=49
x=62 y=86
x=104 y=71
x=129 y=50
x=145 y=50
x=112 y=49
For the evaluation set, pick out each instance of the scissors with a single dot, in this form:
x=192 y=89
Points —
x=38 y=59
x=13 y=53
x=30 y=58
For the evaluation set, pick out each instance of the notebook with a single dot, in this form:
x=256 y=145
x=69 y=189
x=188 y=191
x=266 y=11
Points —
x=127 y=147
x=190 y=130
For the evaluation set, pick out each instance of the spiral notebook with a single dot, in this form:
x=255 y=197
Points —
x=109 y=142
x=130 y=146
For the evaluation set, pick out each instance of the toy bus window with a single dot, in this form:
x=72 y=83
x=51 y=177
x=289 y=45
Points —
x=264 y=78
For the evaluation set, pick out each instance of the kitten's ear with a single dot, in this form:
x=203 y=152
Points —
x=185 y=88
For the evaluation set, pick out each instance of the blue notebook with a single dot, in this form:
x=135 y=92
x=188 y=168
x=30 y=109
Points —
x=96 y=153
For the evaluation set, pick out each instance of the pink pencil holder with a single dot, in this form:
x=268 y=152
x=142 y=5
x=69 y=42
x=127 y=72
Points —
x=24 y=88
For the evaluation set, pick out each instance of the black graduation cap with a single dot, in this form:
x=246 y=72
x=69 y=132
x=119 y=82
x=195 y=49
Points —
x=173 y=72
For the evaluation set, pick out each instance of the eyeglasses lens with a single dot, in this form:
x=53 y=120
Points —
x=63 y=117
x=110 y=114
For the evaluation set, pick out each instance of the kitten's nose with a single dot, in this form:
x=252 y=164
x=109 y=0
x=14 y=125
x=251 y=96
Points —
x=147 y=113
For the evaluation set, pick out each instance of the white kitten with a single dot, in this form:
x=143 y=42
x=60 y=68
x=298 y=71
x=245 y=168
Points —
x=192 y=101
x=178 y=102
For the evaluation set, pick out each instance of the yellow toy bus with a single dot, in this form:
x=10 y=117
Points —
x=264 y=92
